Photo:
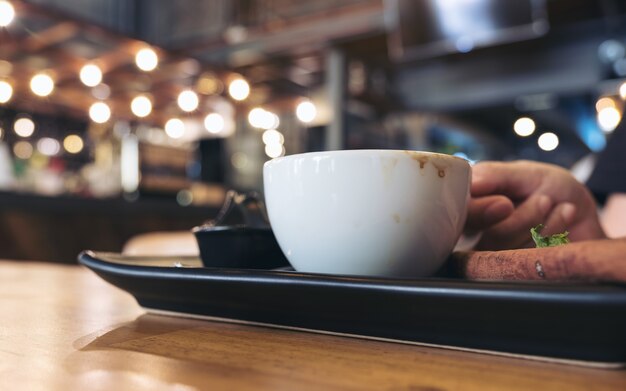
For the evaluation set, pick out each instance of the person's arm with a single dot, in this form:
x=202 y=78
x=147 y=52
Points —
x=613 y=216
x=592 y=260
x=510 y=198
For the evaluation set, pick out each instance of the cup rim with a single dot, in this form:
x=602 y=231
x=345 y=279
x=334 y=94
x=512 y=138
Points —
x=345 y=152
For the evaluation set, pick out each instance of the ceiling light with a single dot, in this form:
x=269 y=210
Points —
x=146 y=59
x=273 y=136
x=23 y=150
x=609 y=118
x=175 y=128
x=188 y=100
x=306 y=111
x=6 y=91
x=239 y=89
x=524 y=127
x=24 y=127
x=214 y=123
x=42 y=84
x=100 y=112
x=141 y=106
x=7 y=13
x=274 y=150
x=90 y=75
x=48 y=146
x=548 y=141
x=73 y=143
x=604 y=102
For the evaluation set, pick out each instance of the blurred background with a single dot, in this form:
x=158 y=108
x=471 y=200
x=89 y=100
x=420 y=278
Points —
x=119 y=117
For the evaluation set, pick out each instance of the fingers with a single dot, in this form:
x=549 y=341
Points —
x=514 y=231
x=486 y=211
x=560 y=218
x=515 y=180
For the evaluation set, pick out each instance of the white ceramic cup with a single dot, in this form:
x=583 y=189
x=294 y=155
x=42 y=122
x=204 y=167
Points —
x=367 y=212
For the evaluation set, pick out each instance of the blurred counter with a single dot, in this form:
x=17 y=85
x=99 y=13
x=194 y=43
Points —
x=58 y=228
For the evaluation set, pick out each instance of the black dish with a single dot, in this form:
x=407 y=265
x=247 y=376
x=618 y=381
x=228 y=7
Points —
x=579 y=322
x=239 y=247
x=240 y=236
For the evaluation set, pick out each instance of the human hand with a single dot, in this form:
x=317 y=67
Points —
x=510 y=198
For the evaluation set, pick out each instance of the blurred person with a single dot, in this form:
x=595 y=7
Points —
x=608 y=183
x=510 y=198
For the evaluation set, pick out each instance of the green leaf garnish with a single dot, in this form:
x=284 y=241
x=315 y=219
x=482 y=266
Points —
x=548 y=241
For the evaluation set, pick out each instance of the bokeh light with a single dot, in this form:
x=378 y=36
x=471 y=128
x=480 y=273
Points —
x=23 y=150
x=24 y=127
x=6 y=91
x=548 y=141
x=274 y=150
x=175 y=128
x=100 y=112
x=90 y=75
x=239 y=89
x=7 y=13
x=48 y=146
x=214 y=123
x=146 y=59
x=306 y=111
x=609 y=118
x=42 y=84
x=604 y=102
x=524 y=127
x=273 y=136
x=73 y=144
x=141 y=106
x=188 y=100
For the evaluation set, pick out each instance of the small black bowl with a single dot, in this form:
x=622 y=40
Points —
x=239 y=246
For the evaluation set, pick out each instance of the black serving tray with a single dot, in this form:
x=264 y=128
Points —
x=575 y=323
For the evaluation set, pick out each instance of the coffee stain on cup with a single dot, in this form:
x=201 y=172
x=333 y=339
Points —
x=387 y=166
x=421 y=159
x=396 y=217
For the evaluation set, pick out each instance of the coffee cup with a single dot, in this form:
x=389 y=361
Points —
x=387 y=213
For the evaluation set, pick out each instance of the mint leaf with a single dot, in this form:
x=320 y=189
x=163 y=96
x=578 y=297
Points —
x=548 y=241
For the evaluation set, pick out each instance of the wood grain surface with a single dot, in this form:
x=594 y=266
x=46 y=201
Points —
x=62 y=328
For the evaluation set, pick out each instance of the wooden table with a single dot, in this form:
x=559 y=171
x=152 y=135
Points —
x=63 y=328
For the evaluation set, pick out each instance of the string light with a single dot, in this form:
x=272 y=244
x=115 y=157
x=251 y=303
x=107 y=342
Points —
x=273 y=136
x=263 y=119
x=188 y=100
x=24 y=127
x=306 y=111
x=73 y=143
x=622 y=90
x=48 y=146
x=7 y=13
x=548 y=141
x=23 y=150
x=100 y=112
x=146 y=59
x=239 y=89
x=274 y=150
x=604 y=102
x=90 y=75
x=609 y=118
x=175 y=128
x=42 y=84
x=6 y=91
x=141 y=106
x=214 y=123
x=524 y=127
